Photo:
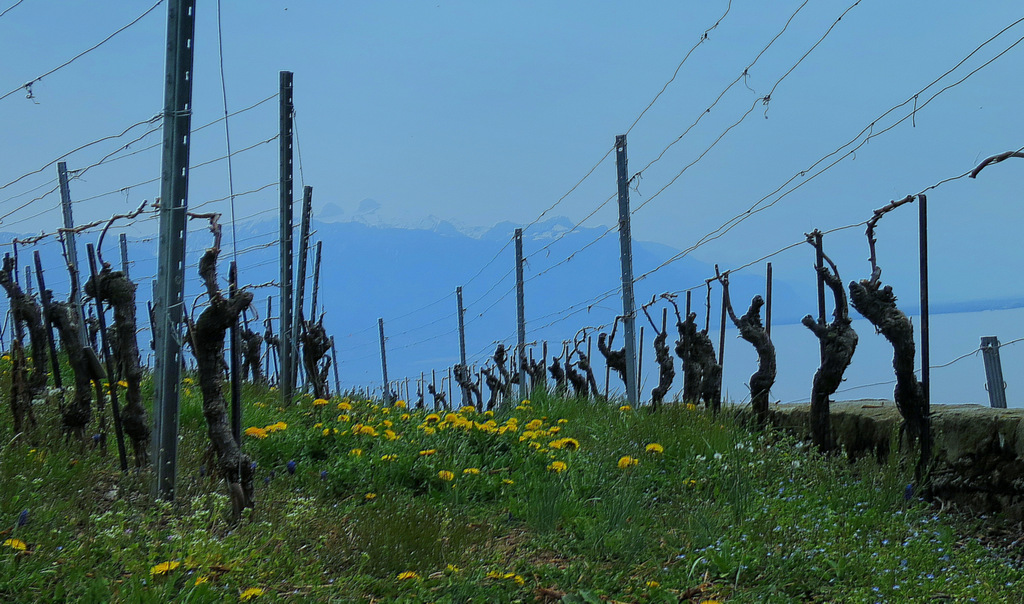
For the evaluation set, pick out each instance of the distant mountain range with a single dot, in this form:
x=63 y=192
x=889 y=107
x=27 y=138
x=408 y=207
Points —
x=408 y=275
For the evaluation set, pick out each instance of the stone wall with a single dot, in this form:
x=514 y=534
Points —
x=978 y=451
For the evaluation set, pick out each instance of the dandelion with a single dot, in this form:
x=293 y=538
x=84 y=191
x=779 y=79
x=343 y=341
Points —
x=200 y=580
x=405 y=576
x=625 y=408
x=256 y=432
x=691 y=407
x=554 y=429
x=250 y=594
x=471 y=471
x=557 y=466
x=276 y=427
x=16 y=544
x=653 y=584
x=344 y=406
x=390 y=435
x=507 y=481
x=405 y=416
x=387 y=423
x=344 y=418
x=367 y=430
x=432 y=418
x=163 y=568
x=370 y=496
x=123 y=383
x=401 y=404
x=467 y=409
x=356 y=453
x=426 y=452
x=565 y=443
x=562 y=422
x=320 y=402
x=534 y=425
x=654 y=448
x=451 y=568
x=626 y=461
x=389 y=457
x=446 y=476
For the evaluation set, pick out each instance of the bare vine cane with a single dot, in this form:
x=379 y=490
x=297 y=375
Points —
x=208 y=333
x=752 y=330
x=878 y=305
x=838 y=343
x=663 y=357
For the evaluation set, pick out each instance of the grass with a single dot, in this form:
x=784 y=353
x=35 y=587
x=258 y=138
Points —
x=390 y=504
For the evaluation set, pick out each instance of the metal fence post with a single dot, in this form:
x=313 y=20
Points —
x=993 y=372
x=520 y=318
x=626 y=258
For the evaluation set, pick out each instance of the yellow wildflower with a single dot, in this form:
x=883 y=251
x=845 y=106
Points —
x=626 y=461
x=201 y=579
x=557 y=467
x=451 y=568
x=367 y=430
x=386 y=411
x=123 y=383
x=446 y=476
x=426 y=452
x=250 y=594
x=488 y=413
x=356 y=452
x=625 y=408
x=431 y=418
x=691 y=407
x=389 y=457
x=276 y=427
x=318 y=425
x=653 y=584
x=401 y=404
x=405 y=416
x=370 y=496
x=344 y=406
x=387 y=423
x=16 y=544
x=554 y=429
x=405 y=576
x=256 y=432
x=507 y=481
x=320 y=402
x=327 y=431
x=563 y=421
x=654 y=448
x=534 y=424
x=390 y=435
x=471 y=471
x=565 y=443
x=344 y=418
x=163 y=568
x=429 y=431
x=525 y=402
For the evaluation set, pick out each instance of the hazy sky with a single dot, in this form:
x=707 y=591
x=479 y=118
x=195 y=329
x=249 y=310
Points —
x=484 y=111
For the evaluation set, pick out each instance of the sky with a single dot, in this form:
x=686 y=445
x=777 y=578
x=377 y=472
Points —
x=482 y=112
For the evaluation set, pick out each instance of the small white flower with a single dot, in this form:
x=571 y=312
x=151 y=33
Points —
x=796 y=463
x=718 y=456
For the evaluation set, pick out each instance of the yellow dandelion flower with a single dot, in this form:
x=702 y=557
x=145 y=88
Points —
x=691 y=407
x=344 y=406
x=320 y=402
x=563 y=421
x=401 y=404
x=201 y=579
x=250 y=594
x=508 y=481
x=467 y=409
x=344 y=418
x=557 y=467
x=16 y=544
x=370 y=496
x=519 y=580
x=389 y=457
x=429 y=431
x=277 y=427
x=390 y=435
x=367 y=430
x=535 y=445
x=626 y=461
x=534 y=424
x=625 y=408
x=386 y=411
x=163 y=568
x=488 y=413
x=432 y=418
x=356 y=452
x=427 y=452
x=318 y=425
x=387 y=423
x=525 y=402
x=188 y=381
x=554 y=429
x=654 y=448
x=446 y=476
x=471 y=471
x=405 y=576
x=327 y=431
x=405 y=416
x=256 y=432
x=123 y=383
x=451 y=568
x=652 y=584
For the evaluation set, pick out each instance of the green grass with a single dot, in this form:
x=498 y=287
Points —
x=722 y=513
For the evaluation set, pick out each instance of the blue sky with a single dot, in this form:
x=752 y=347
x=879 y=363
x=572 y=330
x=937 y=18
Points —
x=482 y=112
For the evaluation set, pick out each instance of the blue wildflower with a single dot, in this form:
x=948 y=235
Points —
x=291 y=466
x=23 y=518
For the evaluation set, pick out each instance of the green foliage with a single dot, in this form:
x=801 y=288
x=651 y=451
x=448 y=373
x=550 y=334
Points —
x=581 y=498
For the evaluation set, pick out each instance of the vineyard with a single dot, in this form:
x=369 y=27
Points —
x=185 y=420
